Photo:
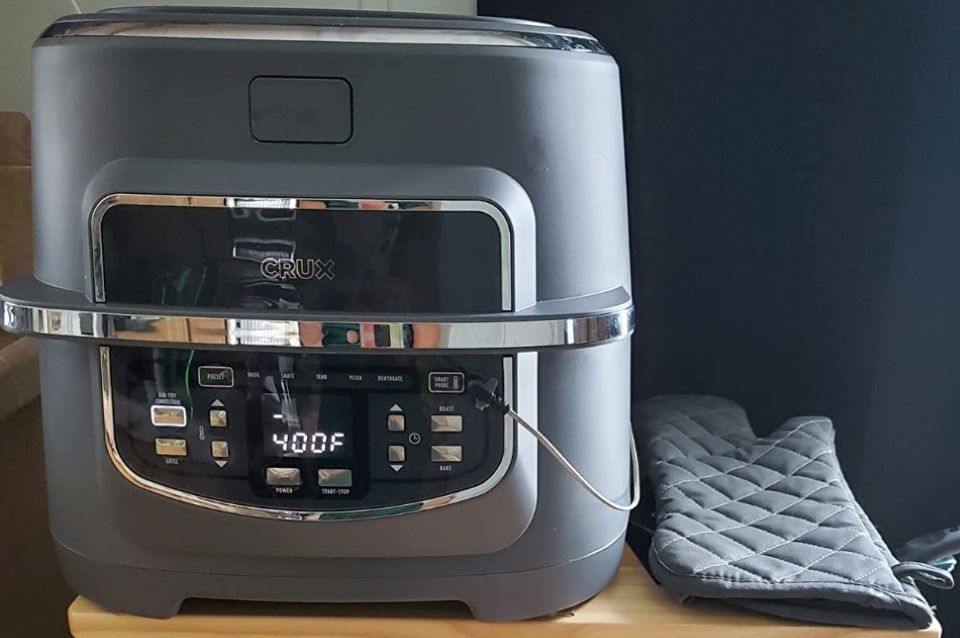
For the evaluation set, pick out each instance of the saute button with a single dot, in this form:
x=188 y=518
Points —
x=446 y=453
x=215 y=376
x=170 y=447
x=446 y=382
x=283 y=476
x=335 y=478
x=446 y=423
x=168 y=416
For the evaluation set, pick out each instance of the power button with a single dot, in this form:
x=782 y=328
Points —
x=446 y=382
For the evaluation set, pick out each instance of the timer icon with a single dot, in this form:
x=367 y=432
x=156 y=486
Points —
x=414 y=438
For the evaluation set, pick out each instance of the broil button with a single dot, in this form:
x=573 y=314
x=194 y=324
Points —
x=168 y=416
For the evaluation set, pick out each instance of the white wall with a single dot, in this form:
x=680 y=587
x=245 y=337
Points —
x=22 y=20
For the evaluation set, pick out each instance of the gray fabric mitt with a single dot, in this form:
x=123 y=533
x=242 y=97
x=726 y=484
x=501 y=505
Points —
x=768 y=523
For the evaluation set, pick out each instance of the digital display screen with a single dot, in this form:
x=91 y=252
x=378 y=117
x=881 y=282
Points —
x=307 y=425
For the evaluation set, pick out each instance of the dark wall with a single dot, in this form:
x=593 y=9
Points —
x=794 y=176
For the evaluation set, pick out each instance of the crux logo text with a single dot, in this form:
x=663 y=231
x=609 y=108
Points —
x=274 y=268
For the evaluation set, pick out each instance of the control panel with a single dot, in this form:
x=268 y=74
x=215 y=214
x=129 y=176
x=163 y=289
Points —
x=307 y=432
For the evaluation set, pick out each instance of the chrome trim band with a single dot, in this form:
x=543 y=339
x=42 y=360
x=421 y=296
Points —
x=312 y=205
x=176 y=330
x=300 y=515
x=557 y=41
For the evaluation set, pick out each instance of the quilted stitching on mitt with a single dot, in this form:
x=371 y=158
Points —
x=748 y=516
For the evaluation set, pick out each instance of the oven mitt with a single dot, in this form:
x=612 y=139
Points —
x=768 y=523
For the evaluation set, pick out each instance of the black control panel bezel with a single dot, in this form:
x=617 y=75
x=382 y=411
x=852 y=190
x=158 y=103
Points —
x=420 y=386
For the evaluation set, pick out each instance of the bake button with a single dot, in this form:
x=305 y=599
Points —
x=218 y=418
x=396 y=422
x=446 y=382
x=396 y=453
x=446 y=423
x=335 y=478
x=215 y=376
x=170 y=447
x=220 y=449
x=168 y=416
x=446 y=453
x=283 y=476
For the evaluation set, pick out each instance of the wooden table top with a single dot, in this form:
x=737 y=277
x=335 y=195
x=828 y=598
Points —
x=633 y=605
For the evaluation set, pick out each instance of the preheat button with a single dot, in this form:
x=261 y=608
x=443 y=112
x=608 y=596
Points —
x=283 y=476
x=170 y=447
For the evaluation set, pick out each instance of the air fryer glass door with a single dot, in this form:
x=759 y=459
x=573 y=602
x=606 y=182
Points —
x=314 y=255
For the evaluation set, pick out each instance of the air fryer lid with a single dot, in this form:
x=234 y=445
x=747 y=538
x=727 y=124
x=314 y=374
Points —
x=115 y=22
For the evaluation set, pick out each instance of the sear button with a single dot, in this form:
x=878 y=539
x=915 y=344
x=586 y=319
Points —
x=446 y=423
x=170 y=447
x=335 y=478
x=283 y=476
x=220 y=449
x=215 y=376
x=446 y=453
x=446 y=382
x=168 y=416
x=396 y=453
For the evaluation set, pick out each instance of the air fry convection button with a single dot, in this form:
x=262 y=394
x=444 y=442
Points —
x=215 y=376
x=170 y=447
x=168 y=416
x=446 y=382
